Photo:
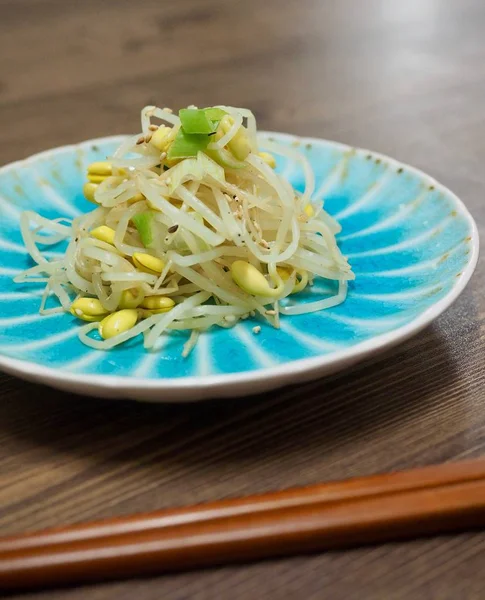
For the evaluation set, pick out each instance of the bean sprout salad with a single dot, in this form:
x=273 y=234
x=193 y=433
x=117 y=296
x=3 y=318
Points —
x=193 y=228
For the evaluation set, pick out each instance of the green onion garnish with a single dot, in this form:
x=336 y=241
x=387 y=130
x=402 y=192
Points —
x=195 y=120
x=143 y=222
x=214 y=114
x=186 y=145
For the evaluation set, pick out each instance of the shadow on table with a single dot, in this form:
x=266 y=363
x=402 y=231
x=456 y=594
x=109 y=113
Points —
x=321 y=417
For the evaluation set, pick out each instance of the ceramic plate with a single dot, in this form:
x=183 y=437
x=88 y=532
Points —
x=411 y=243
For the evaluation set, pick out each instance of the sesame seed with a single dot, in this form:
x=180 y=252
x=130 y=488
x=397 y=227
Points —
x=172 y=229
x=271 y=312
x=256 y=329
x=153 y=127
x=163 y=156
x=140 y=140
x=148 y=138
x=78 y=312
x=168 y=181
x=169 y=110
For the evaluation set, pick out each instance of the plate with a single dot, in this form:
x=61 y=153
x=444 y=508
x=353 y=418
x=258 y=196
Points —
x=411 y=243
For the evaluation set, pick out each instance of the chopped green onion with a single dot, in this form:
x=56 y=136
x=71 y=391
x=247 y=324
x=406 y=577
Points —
x=214 y=114
x=187 y=170
x=143 y=222
x=225 y=159
x=195 y=170
x=211 y=168
x=186 y=145
x=196 y=121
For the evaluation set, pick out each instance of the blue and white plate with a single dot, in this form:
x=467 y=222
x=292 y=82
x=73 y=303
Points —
x=411 y=243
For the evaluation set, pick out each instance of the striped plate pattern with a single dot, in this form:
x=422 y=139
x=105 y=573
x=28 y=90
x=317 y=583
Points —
x=410 y=241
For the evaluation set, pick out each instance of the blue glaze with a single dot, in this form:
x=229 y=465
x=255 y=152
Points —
x=407 y=243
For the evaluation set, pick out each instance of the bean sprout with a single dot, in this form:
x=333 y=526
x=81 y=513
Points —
x=206 y=227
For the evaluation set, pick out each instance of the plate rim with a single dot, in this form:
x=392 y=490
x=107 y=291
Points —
x=196 y=386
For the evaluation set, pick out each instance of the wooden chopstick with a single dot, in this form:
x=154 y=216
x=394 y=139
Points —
x=438 y=475
x=449 y=473
x=444 y=498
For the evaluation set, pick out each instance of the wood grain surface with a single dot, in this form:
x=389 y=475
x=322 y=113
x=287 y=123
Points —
x=402 y=78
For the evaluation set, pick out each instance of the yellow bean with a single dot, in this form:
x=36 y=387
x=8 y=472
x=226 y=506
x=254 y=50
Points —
x=100 y=168
x=117 y=322
x=158 y=304
x=268 y=158
x=148 y=263
x=239 y=145
x=88 y=309
x=89 y=190
x=96 y=178
x=249 y=279
x=300 y=283
x=283 y=273
x=136 y=198
x=160 y=138
x=309 y=210
x=99 y=171
x=104 y=234
x=131 y=298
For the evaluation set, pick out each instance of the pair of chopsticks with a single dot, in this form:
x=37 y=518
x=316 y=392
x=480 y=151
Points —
x=438 y=499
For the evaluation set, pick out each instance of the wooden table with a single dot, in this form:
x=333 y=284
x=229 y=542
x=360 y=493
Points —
x=402 y=78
